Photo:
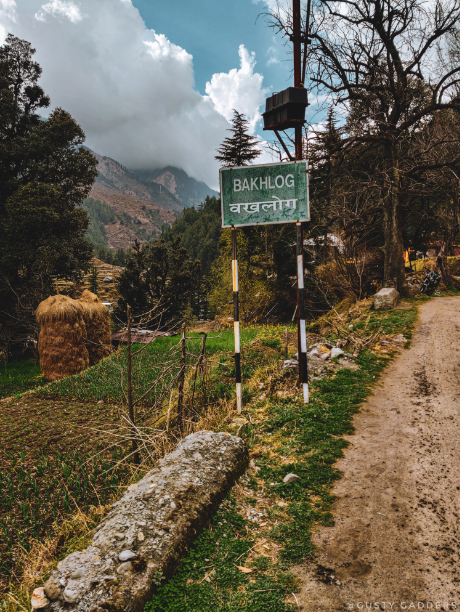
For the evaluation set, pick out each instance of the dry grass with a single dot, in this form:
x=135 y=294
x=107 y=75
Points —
x=97 y=321
x=61 y=343
x=73 y=534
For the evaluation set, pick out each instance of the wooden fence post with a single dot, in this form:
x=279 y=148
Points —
x=135 y=449
x=180 y=401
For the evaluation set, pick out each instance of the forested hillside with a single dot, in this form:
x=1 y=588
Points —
x=200 y=230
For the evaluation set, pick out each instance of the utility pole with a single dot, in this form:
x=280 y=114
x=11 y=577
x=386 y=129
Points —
x=301 y=333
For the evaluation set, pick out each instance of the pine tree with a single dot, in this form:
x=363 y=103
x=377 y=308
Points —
x=239 y=149
x=94 y=280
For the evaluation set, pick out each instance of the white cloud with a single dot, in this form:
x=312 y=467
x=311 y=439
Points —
x=8 y=10
x=60 y=8
x=240 y=89
x=271 y=4
x=130 y=88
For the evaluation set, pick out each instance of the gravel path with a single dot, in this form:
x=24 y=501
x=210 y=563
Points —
x=395 y=543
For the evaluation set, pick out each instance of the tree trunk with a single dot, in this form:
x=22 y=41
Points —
x=449 y=235
x=394 y=272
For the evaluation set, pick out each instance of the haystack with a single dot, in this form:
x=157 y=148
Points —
x=97 y=320
x=61 y=343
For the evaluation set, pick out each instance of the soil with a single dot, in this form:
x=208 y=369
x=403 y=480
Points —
x=395 y=543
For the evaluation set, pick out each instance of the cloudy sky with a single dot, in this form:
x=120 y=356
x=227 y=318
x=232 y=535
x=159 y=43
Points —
x=153 y=82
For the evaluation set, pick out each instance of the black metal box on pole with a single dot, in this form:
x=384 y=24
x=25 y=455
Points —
x=285 y=109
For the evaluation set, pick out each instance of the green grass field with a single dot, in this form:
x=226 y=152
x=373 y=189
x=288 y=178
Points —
x=19 y=376
x=55 y=462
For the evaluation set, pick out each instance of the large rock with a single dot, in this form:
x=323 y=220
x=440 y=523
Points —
x=158 y=518
x=386 y=299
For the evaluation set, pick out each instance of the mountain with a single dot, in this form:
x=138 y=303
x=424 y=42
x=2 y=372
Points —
x=187 y=190
x=138 y=206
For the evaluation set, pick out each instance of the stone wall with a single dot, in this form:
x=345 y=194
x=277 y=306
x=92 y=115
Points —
x=149 y=530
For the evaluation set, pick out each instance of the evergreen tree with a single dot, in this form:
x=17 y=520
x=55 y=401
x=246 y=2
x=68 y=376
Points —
x=158 y=277
x=45 y=174
x=94 y=280
x=240 y=148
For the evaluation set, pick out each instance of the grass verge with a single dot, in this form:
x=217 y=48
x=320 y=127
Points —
x=242 y=560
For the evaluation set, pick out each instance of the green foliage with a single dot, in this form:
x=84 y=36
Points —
x=94 y=280
x=18 y=377
x=100 y=214
x=199 y=230
x=33 y=499
x=44 y=174
x=116 y=257
x=240 y=148
x=158 y=277
x=266 y=265
x=214 y=556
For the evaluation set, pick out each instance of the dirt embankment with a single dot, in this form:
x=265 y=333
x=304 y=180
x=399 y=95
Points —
x=395 y=543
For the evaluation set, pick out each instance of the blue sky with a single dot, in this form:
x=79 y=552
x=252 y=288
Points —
x=212 y=33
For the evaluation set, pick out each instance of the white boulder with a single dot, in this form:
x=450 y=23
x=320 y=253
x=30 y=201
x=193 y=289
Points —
x=386 y=299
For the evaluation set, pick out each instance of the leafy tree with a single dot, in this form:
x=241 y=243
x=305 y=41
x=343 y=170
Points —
x=387 y=64
x=158 y=276
x=240 y=148
x=44 y=174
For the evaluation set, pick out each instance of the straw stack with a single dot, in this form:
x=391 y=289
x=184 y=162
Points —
x=97 y=321
x=61 y=343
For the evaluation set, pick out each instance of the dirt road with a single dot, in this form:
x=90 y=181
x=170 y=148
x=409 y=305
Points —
x=395 y=543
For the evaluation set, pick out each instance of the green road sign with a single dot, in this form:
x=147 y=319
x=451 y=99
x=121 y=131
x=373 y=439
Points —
x=269 y=193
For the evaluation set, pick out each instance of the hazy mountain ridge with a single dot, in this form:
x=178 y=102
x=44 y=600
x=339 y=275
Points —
x=187 y=190
x=142 y=205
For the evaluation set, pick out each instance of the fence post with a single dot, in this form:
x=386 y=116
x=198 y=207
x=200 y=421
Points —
x=180 y=401
x=135 y=449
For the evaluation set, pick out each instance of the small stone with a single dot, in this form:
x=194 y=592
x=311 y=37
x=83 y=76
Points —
x=70 y=596
x=52 y=589
x=325 y=356
x=263 y=396
x=314 y=353
x=336 y=352
x=140 y=536
x=100 y=401
x=39 y=599
x=290 y=364
x=107 y=279
x=173 y=505
x=124 y=568
x=78 y=573
x=119 y=536
x=291 y=478
x=126 y=555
